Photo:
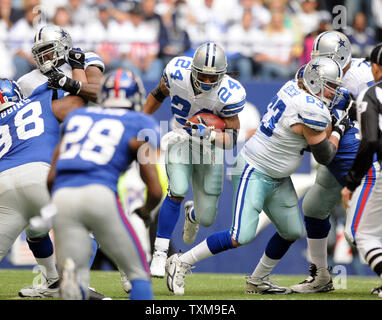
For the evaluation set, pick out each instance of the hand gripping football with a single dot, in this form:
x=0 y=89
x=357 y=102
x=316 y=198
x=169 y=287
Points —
x=210 y=120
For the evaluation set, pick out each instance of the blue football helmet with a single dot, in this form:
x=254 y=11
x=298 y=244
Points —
x=10 y=93
x=122 y=88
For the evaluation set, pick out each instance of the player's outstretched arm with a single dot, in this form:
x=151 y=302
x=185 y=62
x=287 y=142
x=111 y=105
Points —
x=156 y=97
x=149 y=175
x=62 y=107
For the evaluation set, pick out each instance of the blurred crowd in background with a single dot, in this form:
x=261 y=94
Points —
x=263 y=39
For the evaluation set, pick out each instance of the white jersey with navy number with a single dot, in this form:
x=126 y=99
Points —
x=225 y=100
x=275 y=149
x=95 y=145
x=34 y=79
x=29 y=131
x=358 y=77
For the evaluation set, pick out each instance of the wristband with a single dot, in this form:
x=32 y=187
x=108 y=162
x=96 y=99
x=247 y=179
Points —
x=336 y=134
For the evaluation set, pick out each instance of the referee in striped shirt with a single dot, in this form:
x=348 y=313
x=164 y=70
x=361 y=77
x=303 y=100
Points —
x=369 y=113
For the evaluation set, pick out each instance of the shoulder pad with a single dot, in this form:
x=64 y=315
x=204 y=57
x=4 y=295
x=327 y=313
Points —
x=177 y=69
x=313 y=113
x=232 y=95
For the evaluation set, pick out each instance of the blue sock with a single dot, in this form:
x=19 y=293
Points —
x=41 y=248
x=141 y=290
x=168 y=217
x=277 y=247
x=94 y=251
x=317 y=228
x=219 y=242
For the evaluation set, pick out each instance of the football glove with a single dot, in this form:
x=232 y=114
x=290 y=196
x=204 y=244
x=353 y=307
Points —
x=57 y=80
x=343 y=125
x=76 y=58
x=200 y=129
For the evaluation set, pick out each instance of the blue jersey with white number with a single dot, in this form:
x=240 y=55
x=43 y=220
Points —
x=95 y=145
x=225 y=100
x=356 y=79
x=29 y=131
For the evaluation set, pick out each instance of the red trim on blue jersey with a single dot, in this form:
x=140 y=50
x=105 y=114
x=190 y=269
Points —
x=117 y=82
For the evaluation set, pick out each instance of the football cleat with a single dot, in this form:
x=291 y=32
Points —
x=264 y=286
x=126 y=284
x=377 y=291
x=158 y=264
x=94 y=295
x=69 y=287
x=190 y=229
x=318 y=281
x=176 y=273
x=49 y=289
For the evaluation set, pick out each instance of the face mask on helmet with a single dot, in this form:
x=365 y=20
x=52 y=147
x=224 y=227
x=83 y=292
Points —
x=208 y=67
x=121 y=88
x=10 y=93
x=51 y=47
x=334 y=45
x=322 y=77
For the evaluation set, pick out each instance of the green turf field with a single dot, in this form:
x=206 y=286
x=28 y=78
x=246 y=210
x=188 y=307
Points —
x=199 y=286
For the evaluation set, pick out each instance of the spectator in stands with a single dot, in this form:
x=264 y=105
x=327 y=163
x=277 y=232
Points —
x=325 y=25
x=8 y=13
x=7 y=69
x=174 y=41
x=63 y=19
x=261 y=14
x=80 y=12
x=361 y=37
x=206 y=24
x=242 y=40
x=139 y=47
x=276 y=52
x=151 y=17
x=309 y=17
x=376 y=6
x=20 y=39
x=101 y=35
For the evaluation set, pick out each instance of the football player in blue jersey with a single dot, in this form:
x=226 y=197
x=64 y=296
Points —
x=296 y=118
x=195 y=85
x=67 y=71
x=29 y=133
x=97 y=145
x=331 y=178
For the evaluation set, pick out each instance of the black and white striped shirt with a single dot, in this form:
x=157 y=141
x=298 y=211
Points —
x=369 y=113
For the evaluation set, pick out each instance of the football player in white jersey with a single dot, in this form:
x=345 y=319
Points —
x=296 y=118
x=57 y=64
x=56 y=58
x=331 y=178
x=195 y=85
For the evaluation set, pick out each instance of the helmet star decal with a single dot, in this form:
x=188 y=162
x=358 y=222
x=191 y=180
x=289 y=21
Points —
x=341 y=43
x=315 y=67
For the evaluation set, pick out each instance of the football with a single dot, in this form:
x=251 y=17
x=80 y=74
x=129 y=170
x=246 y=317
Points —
x=210 y=119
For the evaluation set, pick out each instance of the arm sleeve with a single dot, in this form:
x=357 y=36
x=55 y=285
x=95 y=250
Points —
x=369 y=141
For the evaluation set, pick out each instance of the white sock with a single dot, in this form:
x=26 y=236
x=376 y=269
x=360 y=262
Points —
x=48 y=267
x=161 y=244
x=318 y=252
x=264 y=267
x=196 y=254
